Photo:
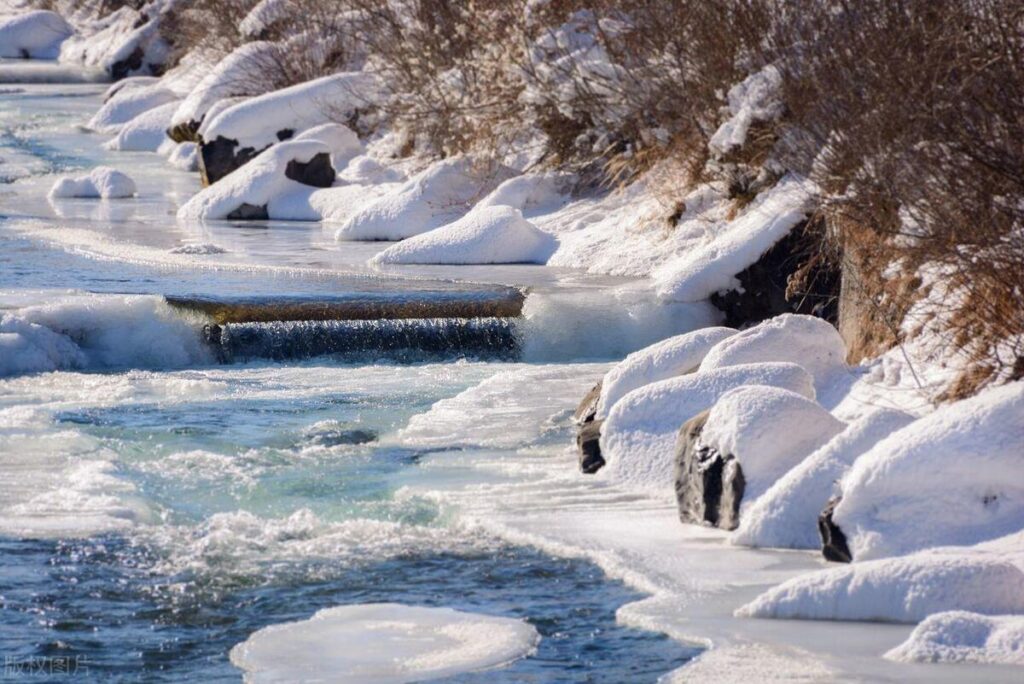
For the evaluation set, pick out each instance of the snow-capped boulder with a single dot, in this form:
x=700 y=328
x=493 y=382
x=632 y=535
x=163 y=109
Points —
x=365 y=170
x=530 y=192
x=786 y=515
x=146 y=132
x=102 y=182
x=341 y=140
x=33 y=35
x=959 y=636
x=126 y=85
x=639 y=436
x=955 y=476
x=126 y=104
x=125 y=42
x=274 y=175
x=487 y=235
x=666 y=359
x=439 y=195
x=805 y=340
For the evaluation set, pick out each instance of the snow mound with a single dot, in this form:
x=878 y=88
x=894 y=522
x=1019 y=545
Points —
x=124 y=42
x=901 y=589
x=675 y=356
x=787 y=514
x=341 y=141
x=102 y=182
x=146 y=132
x=258 y=183
x=364 y=170
x=184 y=156
x=383 y=643
x=532 y=191
x=639 y=436
x=128 y=103
x=769 y=430
x=958 y=636
x=711 y=267
x=955 y=476
x=439 y=195
x=256 y=122
x=804 y=340
x=756 y=99
x=486 y=235
x=33 y=35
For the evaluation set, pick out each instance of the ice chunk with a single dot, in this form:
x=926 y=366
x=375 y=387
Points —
x=33 y=35
x=958 y=636
x=102 y=182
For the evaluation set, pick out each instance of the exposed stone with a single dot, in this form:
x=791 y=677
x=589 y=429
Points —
x=709 y=484
x=833 y=540
x=132 y=63
x=249 y=212
x=219 y=157
x=317 y=172
x=588 y=443
x=587 y=409
x=184 y=132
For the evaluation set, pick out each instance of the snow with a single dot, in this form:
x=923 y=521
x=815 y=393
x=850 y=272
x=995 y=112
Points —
x=532 y=192
x=712 y=266
x=258 y=183
x=263 y=14
x=126 y=85
x=666 y=359
x=365 y=170
x=486 y=235
x=769 y=430
x=184 y=156
x=756 y=99
x=638 y=438
x=102 y=182
x=959 y=636
x=440 y=194
x=980 y=579
x=146 y=132
x=113 y=38
x=805 y=340
x=128 y=103
x=787 y=514
x=383 y=643
x=256 y=122
x=341 y=141
x=955 y=476
x=35 y=35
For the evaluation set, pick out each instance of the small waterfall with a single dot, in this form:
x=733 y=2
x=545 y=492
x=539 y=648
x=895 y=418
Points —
x=411 y=339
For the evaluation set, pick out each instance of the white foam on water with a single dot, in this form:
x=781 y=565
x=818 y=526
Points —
x=383 y=643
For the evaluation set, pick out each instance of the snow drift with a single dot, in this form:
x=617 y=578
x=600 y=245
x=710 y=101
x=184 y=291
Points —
x=958 y=636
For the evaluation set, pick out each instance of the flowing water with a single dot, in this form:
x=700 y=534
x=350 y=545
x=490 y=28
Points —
x=164 y=494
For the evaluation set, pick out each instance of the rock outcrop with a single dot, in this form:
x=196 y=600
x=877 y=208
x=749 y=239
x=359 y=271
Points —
x=833 y=541
x=588 y=433
x=709 y=484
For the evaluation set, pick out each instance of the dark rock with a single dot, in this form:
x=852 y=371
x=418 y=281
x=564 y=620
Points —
x=334 y=436
x=219 y=157
x=587 y=409
x=184 y=132
x=794 y=276
x=833 y=541
x=317 y=172
x=285 y=134
x=709 y=484
x=249 y=212
x=128 y=65
x=588 y=442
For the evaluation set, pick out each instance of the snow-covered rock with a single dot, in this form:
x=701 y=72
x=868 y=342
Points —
x=146 y=132
x=531 y=192
x=365 y=170
x=666 y=359
x=958 y=636
x=955 y=476
x=341 y=140
x=756 y=99
x=787 y=514
x=768 y=430
x=124 y=42
x=639 y=436
x=102 y=182
x=805 y=340
x=712 y=266
x=33 y=35
x=486 y=235
x=126 y=85
x=126 y=104
x=439 y=195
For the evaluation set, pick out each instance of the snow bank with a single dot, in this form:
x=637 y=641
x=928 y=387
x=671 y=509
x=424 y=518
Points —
x=256 y=122
x=33 y=35
x=787 y=514
x=341 y=141
x=955 y=476
x=769 y=430
x=146 y=132
x=901 y=589
x=383 y=643
x=666 y=359
x=639 y=436
x=958 y=636
x=756 y=99
x=486 y=235
x=712 y=266
x=102 y=182
x=126 y=104
x=805 y=340
x=437 y=196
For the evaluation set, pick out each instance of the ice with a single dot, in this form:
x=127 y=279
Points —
x=146 y=132
x=955 y=476
x=639 y=436
x=486 y=235
x=128 y=103
x=102 y=182
x=787 y=514
x=958 y=636
x=674 y=356
x=36 y=35
x=383 y=642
